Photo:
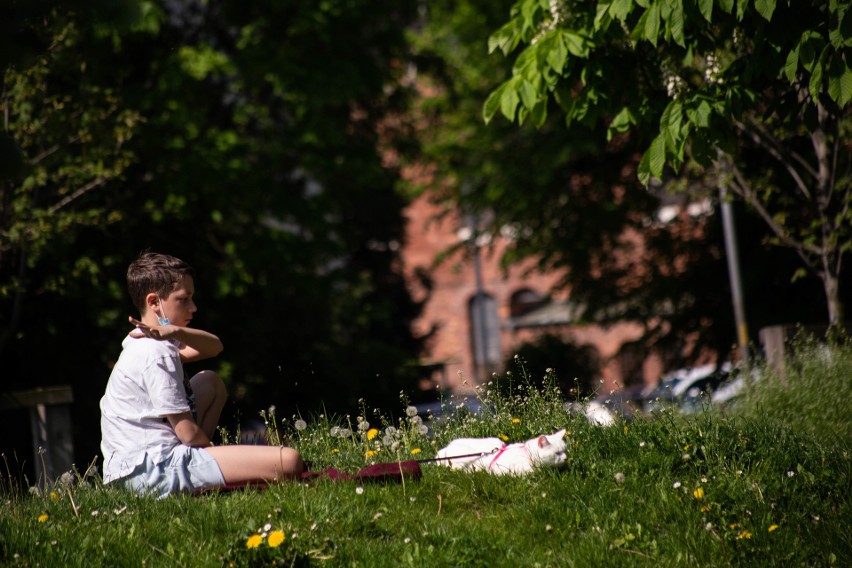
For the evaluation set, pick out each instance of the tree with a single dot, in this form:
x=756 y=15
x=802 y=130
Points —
x=715 y=82
x=570 y=201
x=241 y=138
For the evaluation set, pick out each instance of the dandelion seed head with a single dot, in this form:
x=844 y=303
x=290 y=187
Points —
x=411 y=411
x=619 y=477
x=359 y=490
x=300 y=425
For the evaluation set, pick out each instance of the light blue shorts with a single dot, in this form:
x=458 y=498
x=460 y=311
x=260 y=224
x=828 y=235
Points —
x=186 y=470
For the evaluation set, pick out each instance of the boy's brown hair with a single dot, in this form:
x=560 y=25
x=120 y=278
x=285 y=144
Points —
x=154 y=272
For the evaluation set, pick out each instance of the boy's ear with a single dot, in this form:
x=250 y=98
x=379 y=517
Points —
x=152 y=302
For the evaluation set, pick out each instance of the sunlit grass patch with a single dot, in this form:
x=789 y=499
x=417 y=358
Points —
x=705 y=490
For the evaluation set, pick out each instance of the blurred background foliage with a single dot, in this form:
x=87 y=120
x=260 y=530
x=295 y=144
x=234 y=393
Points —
x=264 y=143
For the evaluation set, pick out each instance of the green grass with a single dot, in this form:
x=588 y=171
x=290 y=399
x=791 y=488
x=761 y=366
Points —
x=771 y=494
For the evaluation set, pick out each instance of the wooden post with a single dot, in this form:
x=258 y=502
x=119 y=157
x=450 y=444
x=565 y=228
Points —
x=50 y=424
x=775 y=340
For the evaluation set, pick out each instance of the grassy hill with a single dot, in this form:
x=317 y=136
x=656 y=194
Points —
x=766 y=483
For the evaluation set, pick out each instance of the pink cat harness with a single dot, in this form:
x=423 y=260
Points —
x=502 y=449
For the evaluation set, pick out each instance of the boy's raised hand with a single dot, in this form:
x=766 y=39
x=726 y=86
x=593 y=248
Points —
x=143 y=330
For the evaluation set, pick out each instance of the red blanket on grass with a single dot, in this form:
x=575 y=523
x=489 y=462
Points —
x=379 y=472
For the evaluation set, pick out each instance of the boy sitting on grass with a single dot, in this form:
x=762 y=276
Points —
x=155 y=425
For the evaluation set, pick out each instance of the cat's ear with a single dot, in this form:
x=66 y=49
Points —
x=559 y=435
x=543 y=442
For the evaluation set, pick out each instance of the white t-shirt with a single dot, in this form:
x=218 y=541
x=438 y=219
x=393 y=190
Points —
x=145 y=386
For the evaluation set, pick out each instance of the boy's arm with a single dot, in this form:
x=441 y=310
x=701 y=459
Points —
x=187 y=431
x=197 y=343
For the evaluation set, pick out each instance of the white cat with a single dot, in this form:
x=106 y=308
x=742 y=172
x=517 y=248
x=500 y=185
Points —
x=493 y=456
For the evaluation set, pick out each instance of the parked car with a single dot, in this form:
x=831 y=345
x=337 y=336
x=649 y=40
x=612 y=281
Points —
x=688 y=390
x=440 y=410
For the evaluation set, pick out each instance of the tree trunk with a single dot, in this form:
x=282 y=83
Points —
x=831 y=283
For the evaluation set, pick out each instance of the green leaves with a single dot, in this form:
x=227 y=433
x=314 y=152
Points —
x=840 y=80
x=765 y=8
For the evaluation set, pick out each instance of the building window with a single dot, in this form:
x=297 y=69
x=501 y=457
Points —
x=524 y=301
x=485 y=334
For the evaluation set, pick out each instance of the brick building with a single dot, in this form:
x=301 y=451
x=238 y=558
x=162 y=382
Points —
x=479 y=313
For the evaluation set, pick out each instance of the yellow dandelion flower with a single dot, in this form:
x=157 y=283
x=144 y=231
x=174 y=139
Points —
x=43 y=517
x=698 y=493
x=275 y=539
x=254 y=541
x=370 y=453
x=744 y=534
x=335 y=450
x=705 y=508
x=686 y=447
x=54 y=496
x=504 y=437
x=625 y=429
x=372 y=433
x=516 y=420
x=773 y=528
x=415 y=451
x=733 y=526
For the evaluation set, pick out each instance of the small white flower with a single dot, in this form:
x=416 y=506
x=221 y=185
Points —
x=703 y=479
x=300 y=425
x=548 y=528
x=359 y=490
x=641 y=444
x=676 y=484
x=267 y=527
x=619 y=477
x=406 y=540
x=708 y=526
x=790 y=474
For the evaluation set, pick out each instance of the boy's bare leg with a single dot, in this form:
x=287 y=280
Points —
x=210 y=397
x=240 y=464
